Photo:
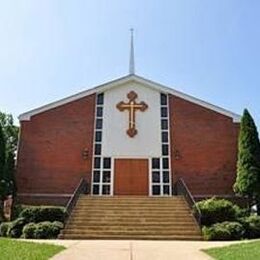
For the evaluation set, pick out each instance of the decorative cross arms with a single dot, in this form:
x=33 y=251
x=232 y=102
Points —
x=132 y=106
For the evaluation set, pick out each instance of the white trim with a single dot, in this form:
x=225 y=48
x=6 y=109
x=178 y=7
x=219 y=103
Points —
x=27 y=116
x=112 y=176
x=150 y=177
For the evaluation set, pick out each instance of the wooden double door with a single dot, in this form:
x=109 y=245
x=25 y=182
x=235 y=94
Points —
x=131 y=177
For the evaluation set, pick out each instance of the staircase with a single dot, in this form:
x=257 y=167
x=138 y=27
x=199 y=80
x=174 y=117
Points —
x=131 y=217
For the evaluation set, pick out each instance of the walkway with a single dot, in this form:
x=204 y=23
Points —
x=133 y=250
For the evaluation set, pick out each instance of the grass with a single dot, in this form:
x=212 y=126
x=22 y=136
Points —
x=19 y=250
x=242 y=251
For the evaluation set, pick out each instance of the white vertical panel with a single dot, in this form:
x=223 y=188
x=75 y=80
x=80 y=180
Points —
x=116 y=142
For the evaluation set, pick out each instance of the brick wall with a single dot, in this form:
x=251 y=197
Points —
x=51 y=144
x=203 y=148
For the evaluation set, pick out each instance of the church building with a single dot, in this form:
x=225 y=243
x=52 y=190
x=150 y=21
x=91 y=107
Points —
x=130 y=136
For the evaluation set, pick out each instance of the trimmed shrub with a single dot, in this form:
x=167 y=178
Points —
x=47 y=229
x=56 y=228
x=252 y=226
x=4 y=229
x=43 y=213
x=16 y=227
x=224 y=231
x=29 y=230
x=17 y=209
x=218 y=210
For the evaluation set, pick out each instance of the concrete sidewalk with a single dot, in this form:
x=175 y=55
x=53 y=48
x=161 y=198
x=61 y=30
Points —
x=133 y=250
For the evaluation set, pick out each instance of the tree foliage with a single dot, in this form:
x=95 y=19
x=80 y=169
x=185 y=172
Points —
x=248 y=164
x=10 y=131
x=8 y=147
x=2 y=153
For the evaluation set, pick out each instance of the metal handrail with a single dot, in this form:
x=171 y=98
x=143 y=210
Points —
x=182 y=189
x=81 y=189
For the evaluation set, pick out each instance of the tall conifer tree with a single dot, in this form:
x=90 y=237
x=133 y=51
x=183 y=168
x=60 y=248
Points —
x=248 y=164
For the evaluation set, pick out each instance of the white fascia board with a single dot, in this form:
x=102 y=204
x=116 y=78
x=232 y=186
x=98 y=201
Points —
x=27 y=116
x=236 y=118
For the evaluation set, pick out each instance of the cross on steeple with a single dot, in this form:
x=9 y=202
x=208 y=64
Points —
x=132 y=55
x=132 y=107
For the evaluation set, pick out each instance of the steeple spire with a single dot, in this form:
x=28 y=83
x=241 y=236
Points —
x=132 y=55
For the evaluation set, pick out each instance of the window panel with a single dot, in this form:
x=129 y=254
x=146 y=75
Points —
x=96 y=176
x=165 y=163
x=155 y=177
x=165 y=137
x=99 y=123
x=156 y=163
x=97 y=149
x=165 y=149
x=98 y=137
x=100 y=99
x=163 y=99
x=107 y=163
x=97 y=162
x=166 y=177
x=99 y=111
x=166 y=189
x=106 y=189
x=106 y=176
x=156 y=189
x=96 y=189
x=164 y=124
x=164 y=112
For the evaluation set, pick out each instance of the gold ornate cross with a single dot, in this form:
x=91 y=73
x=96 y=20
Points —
x=132 y=107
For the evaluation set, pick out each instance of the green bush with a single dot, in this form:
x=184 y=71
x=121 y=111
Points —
x=17 y=209
x=218 y=210
x=16 y=228
x=4 y=229
x=47 y=229
x=252 y=226
x=29 y=230
x=43 y=213
x=224 y=231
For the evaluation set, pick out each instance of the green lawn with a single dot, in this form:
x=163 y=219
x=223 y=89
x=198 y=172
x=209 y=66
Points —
x=19 y=250
x=242 y=251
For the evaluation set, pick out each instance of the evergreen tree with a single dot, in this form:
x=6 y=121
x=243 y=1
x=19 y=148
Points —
x=9 y=174
x=248 y=164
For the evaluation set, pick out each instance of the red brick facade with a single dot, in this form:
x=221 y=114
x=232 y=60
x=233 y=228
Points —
x=52 y=143
x=203 y=148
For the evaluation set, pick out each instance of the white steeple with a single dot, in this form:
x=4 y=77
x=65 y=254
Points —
x=132 y=55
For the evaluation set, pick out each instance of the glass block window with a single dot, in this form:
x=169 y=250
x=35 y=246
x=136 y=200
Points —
x=101 y=176
x=160 y=172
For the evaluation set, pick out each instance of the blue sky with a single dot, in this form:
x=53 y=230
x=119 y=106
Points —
x=50 y=49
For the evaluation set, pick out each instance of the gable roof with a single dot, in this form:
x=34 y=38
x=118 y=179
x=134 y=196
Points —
x=129 y=78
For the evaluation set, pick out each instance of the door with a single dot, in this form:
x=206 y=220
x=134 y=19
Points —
x=131 y=177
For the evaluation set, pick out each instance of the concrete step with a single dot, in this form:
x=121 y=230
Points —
x=128 y=205
x=132 y=214
x=82 y=223
x=142 y=229
x=135 y=237
x=119 y=211
x=132 y=231
x=131 y=217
